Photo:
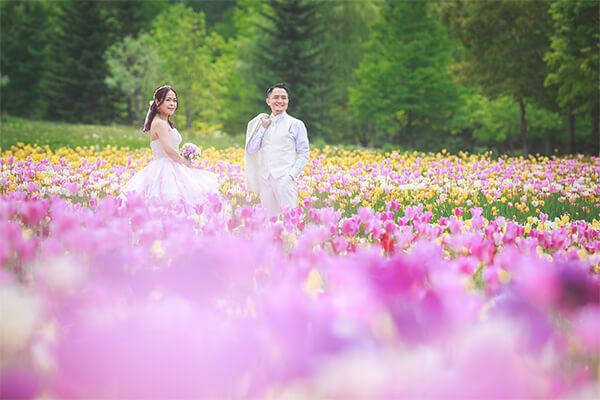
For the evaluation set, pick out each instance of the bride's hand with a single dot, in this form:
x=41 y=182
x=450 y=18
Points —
x=187 y=163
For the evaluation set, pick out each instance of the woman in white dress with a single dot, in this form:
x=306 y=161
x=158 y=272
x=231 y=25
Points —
x=169 y=178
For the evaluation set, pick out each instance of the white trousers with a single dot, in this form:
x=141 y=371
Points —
x=277 y=193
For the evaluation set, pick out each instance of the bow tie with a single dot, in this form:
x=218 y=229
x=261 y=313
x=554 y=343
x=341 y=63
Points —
x=276 y=119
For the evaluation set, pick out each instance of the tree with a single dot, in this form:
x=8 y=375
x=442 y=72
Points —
x=73 y=69
x=346 y=32
x=291 y=50
x=73 y=82
x=494 y=122
x=24 y=33
x=404 y=88
x=504 y=47
x=214 y=10
x=243 y=96
x=575 y=62
x=195 y=63
x=133 y=65
x=129 y=18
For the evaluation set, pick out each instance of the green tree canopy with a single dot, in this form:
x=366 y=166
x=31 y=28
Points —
x=504 y=46
x=291 y=50
x=194 y=62
x=24 y=31
x=242 y=98
x=494 y=122
x=574 y=58
x=133 y=66
x=404 y=88
x=74 y=69
x=73 y=82
x=348 y=28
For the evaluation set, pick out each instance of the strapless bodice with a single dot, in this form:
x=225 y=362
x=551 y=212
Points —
x=157 y=148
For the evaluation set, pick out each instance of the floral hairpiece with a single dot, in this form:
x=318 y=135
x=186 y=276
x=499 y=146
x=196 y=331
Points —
x=158 y=88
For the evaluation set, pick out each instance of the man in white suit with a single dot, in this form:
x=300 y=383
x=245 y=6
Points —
x=276 y=152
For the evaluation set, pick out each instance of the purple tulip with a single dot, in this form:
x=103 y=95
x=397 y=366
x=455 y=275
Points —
x=19 y=382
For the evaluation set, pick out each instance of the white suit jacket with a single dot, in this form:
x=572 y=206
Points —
x=252 y=161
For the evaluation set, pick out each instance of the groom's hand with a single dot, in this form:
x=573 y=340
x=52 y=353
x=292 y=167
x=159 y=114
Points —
x=266 y=121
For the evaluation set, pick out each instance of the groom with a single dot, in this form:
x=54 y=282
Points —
x=276 y=152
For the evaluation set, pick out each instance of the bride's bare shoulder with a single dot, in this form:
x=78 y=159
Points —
x=159 y=126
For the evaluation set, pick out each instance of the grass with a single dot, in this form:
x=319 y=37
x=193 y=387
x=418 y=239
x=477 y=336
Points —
x=59 y=134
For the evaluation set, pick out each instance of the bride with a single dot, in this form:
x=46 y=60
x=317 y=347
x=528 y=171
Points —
x=169 y=178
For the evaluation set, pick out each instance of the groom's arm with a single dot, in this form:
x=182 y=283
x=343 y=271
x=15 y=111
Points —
x=255 y=142
x=302 y=149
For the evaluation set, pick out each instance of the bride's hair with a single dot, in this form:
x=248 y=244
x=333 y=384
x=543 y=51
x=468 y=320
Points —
x=160 y=93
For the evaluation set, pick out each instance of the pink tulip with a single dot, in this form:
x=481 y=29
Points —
x=19 y=382
x=455 y=225
x=458 y=212
x=34 y=212
x=365 y=214
x=586 y=327
x=349 y=227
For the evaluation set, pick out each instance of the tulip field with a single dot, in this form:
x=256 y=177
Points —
x=399 y=275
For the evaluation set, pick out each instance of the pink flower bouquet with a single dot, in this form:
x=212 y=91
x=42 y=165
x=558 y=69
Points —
x=190 y=151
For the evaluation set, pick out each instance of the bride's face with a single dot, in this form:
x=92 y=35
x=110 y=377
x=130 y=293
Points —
x=169 y=106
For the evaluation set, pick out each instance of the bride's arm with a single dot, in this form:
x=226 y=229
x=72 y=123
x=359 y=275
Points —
x=162 y=130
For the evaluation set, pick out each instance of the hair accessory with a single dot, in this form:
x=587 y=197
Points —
x=158 y=88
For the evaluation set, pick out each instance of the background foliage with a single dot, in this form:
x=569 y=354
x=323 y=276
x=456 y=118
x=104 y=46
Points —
x=507 y=76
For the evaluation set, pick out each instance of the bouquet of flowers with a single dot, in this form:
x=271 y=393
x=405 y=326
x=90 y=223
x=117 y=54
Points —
x=190 y=151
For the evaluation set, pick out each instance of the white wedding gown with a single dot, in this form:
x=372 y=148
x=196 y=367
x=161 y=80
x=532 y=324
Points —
x=165 y=181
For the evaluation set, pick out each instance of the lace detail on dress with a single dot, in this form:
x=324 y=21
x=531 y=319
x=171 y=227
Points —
x=157 y=149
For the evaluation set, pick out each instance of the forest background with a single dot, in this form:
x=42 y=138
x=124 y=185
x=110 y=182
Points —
x=513 y=77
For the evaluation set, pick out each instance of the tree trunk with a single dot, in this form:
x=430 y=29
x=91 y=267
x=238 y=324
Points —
x=409 y=130
x=548 y=144
x=365 y=134
x=188 y=119
x=596 y=128
x=136 y=109
x=511 y=142
x=571 y=142
x=523 y=126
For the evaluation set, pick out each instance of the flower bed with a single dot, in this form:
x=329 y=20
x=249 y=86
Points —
x=399 y=275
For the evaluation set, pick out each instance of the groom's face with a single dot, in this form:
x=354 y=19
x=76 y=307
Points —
x=278 y=101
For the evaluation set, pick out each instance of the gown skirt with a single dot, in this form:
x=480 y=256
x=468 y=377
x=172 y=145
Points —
x=165 y=181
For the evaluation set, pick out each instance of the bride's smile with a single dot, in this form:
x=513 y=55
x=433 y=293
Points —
x=169 y=105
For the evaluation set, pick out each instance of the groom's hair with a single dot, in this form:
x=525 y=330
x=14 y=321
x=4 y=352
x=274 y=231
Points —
x=278 y=85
